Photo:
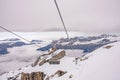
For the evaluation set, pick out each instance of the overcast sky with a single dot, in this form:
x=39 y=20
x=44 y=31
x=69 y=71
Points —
x=79 y=15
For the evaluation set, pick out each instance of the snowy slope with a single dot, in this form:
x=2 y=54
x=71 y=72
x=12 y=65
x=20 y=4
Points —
x=102 y=64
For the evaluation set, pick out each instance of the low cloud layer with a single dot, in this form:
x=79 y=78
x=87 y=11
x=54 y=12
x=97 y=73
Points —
x=18 y=57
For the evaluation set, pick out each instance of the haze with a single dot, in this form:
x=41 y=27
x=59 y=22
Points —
x=42 y=15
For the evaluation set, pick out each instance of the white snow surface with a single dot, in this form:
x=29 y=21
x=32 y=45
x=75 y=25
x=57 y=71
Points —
x=102 y=64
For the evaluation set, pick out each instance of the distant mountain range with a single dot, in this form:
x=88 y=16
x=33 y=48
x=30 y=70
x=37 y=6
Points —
x=14 y=42
x=87 y=44
x=101 y=64
x=62 y=63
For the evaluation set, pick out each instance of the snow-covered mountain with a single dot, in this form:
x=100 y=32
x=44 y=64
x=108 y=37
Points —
x=101 y=64
x=71 y=65
x=36 y=41
x=9 y=43
x=14 y=42
x=87 y=44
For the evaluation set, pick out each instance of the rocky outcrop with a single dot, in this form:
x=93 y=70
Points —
x=33 y=76
x=53 y=62
x=52 y=50
x=58 y=56
x=44 y=58
x=42 y=62
x=108 y=47
x=54 y=58
x=60 y=73
x=36 y=62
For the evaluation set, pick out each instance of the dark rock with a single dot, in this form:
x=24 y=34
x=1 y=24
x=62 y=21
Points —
x=33 y=76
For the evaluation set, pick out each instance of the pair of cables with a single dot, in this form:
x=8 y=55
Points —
x=61 y=18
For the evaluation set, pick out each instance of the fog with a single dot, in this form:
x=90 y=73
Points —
x=78 y=15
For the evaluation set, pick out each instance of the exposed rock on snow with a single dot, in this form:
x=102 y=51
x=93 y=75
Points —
x=101 y=64
x=33 y=76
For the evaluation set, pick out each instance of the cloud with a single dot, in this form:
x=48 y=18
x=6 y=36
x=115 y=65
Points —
x=24 y=55
x=78 y=15
x=53 y=29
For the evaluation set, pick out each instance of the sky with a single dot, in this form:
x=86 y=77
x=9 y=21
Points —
x=79 y=15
